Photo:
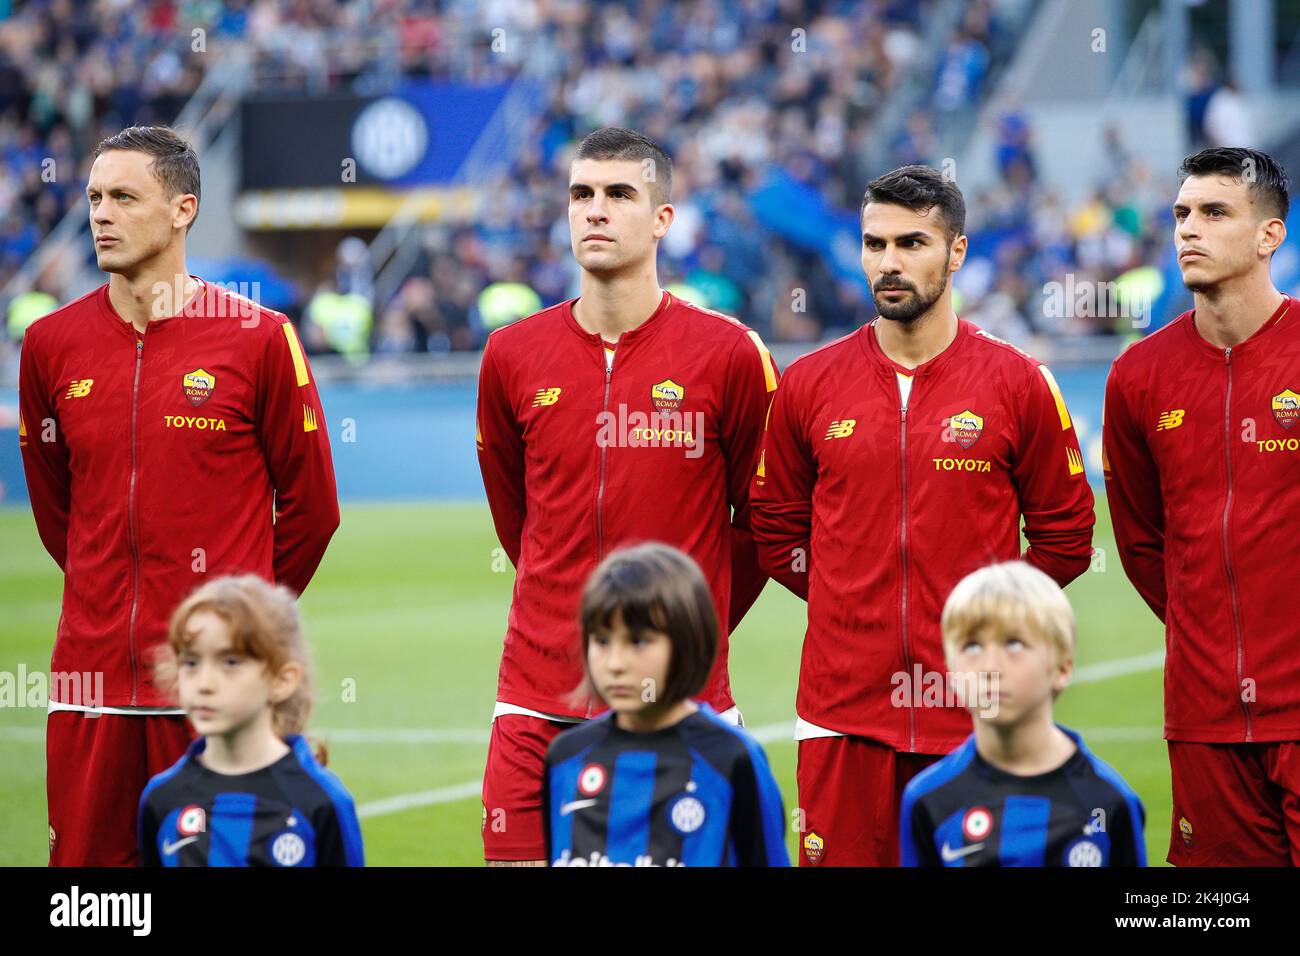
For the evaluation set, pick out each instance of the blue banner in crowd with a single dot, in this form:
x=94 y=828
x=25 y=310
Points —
x=800 y=214
x=419 y=134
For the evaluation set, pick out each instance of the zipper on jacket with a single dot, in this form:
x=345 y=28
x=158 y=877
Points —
x=600 y=487
x=1227 y=552
x=907 y=652
x=130 y=517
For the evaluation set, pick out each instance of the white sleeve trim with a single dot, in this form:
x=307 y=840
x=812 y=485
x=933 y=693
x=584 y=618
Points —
x=125 y=711
x=731 y=715
x=803 y=730
x=503 y=708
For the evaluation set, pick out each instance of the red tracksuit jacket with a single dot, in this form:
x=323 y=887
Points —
x=873 y=513
x=156 y=461
x=578 y=461
x=1202 y=464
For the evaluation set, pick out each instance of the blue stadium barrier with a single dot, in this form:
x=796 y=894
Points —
x=416 y=442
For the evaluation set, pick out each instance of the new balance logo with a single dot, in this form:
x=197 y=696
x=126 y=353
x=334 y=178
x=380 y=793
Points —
x=840 y=429
x=949 y=854
x=1169 y=419
x=80 y=389
x=308 y=419
x=546 y=396
x=1075 y=461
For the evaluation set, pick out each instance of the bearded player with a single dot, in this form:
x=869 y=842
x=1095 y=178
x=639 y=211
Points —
x=1202 y=461
x=898 y=459
x=621 y=416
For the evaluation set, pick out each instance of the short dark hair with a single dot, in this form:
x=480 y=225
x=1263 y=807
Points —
x=920 y=189
x=1268 y=183
x=655 y=587
x=175 y=164
x=615 y=142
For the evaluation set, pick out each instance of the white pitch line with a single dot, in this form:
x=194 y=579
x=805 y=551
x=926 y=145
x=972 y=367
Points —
x=390 y=735
x=424 y=798
x=1088 y=674
x=23 y=734
x=784 y=731
x=1121 y=667
x=411 y=735
x=767 y=733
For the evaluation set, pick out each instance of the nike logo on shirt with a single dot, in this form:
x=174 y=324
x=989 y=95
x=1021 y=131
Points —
x=949 y=854
x=170 y=848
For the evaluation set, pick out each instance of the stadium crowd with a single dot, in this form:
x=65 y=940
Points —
x=733 y=89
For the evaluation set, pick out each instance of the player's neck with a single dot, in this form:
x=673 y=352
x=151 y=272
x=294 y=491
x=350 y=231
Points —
x=617 y=304
x=243 y=751
x=915 y=343
x=156 y=291
x=1232 y=312
x=1027 y=748
x=650 y=719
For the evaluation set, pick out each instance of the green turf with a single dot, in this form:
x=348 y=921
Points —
x=406 y=609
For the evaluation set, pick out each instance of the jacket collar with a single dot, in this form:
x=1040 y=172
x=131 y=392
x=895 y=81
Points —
x=196 y=306
x=627 y=337
x=1284 y=316
x=885 y=366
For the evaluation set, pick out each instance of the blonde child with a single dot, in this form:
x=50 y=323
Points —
x=1022 y=790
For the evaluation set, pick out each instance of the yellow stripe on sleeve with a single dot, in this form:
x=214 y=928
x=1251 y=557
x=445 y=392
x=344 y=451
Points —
x=1056 y=394
x=769 y=373
x=299 y=363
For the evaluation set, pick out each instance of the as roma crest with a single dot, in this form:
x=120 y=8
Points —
x=1286 y=408
x=667 y=395
x=966 y=428
x=198 y=385
x=814 y=847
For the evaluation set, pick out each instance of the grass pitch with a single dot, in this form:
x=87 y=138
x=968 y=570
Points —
x=406 y=617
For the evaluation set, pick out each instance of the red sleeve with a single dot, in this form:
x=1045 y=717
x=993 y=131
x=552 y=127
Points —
x=500 y=455
x=782 y=494
x=751 y=379
x=1055 y=497
x=295 y=444
x=1137 y=509
x=44 y=454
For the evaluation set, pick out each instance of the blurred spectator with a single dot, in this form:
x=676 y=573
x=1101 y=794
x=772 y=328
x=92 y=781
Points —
x=1227 y=118
x=339 y=322
x=732 y=89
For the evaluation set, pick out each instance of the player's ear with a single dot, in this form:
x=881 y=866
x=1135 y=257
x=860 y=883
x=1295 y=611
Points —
x=957 y=254
x=185 y=209
x=285 y=683
x=1271 y=236
x=1064 y=673
x=663 y=219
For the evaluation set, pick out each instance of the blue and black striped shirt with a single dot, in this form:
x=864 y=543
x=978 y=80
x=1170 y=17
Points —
x=293 y=812
x=963 y=811
x=698 y=793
